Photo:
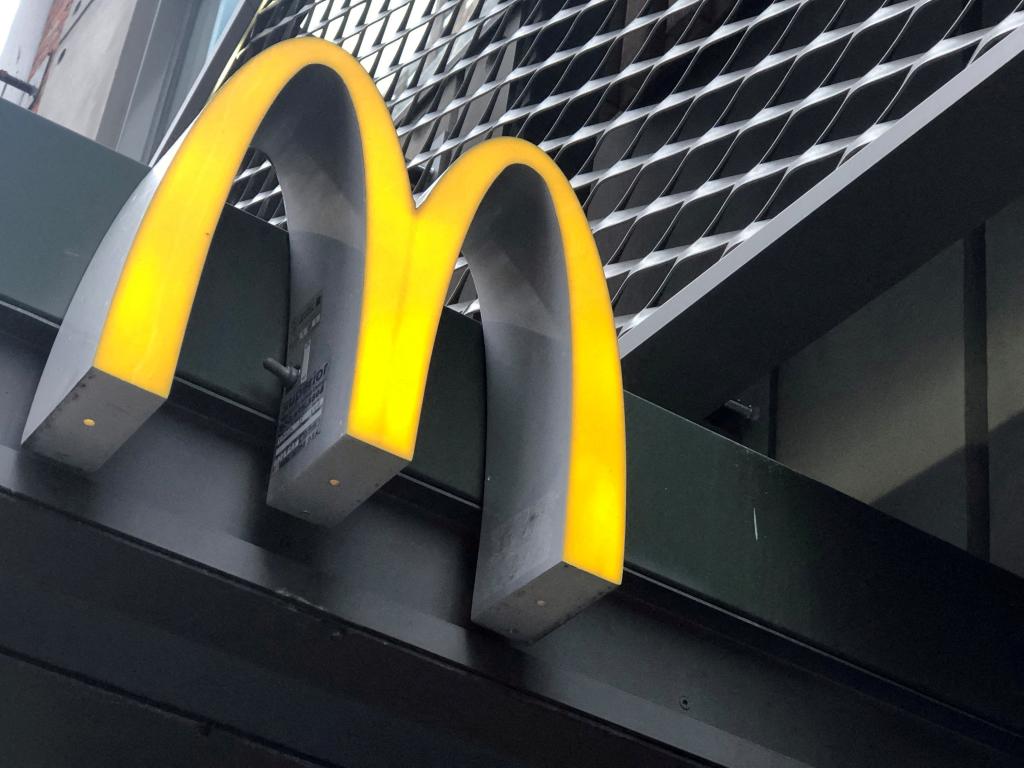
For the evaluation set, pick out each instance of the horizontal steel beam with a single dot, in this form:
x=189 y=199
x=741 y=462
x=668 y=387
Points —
x=59 y=719
x=355 y=648
x=320 y=685
x=804 y=581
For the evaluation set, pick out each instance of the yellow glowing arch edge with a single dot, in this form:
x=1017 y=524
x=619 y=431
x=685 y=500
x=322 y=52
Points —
x=410 y=252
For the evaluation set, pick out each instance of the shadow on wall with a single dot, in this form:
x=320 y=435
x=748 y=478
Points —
x=916 y=500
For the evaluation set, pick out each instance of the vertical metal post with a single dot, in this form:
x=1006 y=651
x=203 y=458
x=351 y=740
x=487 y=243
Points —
x=976 y=393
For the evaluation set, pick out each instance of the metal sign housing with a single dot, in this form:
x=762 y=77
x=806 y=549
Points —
x=369 y=273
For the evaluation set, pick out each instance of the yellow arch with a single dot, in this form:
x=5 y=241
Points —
x=409 y=256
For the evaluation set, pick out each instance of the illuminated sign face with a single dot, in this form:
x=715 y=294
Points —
x=370 y=271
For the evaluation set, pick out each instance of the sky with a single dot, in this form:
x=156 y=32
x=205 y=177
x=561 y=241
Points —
x=7 y=11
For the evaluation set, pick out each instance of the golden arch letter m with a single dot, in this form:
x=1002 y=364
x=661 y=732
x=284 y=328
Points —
x=369 y=274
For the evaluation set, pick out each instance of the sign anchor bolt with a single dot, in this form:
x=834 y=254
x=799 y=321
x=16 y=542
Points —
x=287 y=374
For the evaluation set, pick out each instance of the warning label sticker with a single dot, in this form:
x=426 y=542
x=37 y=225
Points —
x=299 y=423
x=302 y=405
x=306 y=321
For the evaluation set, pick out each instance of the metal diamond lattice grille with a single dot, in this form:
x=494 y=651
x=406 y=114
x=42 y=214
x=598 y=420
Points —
x=683 y=126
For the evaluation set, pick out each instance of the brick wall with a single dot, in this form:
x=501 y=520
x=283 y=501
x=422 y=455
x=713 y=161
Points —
x=50 y=41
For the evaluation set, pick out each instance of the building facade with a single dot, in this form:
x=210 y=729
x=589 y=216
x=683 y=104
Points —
x=808 y=217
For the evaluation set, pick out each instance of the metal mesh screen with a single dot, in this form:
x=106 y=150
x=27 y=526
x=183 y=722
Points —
x=683 y=126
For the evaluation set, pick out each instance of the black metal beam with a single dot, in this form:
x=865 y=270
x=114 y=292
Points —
x=51 y=718
x=274 y=666
x=822 y=582
x=347 y=668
